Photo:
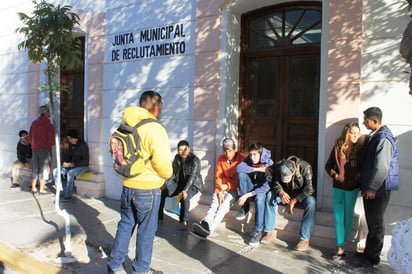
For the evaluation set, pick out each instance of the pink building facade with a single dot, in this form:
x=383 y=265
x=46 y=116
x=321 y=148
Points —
x=190 y=51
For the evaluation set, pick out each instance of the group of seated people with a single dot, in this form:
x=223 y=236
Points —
x=75 y=161
x=240 y=178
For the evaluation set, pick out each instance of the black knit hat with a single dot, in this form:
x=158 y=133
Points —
x=72 y=133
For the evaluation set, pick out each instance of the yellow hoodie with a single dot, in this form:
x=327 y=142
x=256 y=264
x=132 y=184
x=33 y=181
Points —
x=154 y=143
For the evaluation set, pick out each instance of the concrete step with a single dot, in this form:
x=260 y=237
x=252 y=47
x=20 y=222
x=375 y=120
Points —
x=90 y=184
x=287 y=226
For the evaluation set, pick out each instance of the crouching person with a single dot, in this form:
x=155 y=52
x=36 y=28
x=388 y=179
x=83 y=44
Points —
x=292 y=180
x=225 y=194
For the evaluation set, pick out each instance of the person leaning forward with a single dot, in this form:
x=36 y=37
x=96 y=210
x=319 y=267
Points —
x=186 y=180
x=377 y=163
x=254 y=173
x=76 y=164
x=140 y=198
x=292 y=182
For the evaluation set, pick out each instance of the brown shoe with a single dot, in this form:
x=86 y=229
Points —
x=183 y=226
x=303 y=245
x=267 y=238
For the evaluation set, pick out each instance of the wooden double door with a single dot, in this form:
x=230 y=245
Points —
x=279 y=80
x=280 y=105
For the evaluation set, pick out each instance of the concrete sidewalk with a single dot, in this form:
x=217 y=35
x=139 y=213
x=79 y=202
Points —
x=32 y=240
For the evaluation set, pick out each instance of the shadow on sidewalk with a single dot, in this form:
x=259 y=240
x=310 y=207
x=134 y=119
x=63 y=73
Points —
x=217 y=254
x=98 y=239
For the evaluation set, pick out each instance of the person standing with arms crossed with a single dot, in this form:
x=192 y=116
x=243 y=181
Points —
x=140 y=198
x=41 y=135
x=379 y=159
x=343 y=165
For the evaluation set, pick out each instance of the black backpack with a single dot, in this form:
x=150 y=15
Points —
x=126 y=152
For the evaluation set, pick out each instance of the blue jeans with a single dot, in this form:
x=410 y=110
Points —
x=139 y=209
x=308 y=219
x=217 y=212
x=184 y=203
x=265 y=215
x=71 y=173
x=271 y=205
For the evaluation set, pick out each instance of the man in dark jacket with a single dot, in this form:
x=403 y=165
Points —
x=77 y=163
x=24 y=155
x=186 y=180
x=379 y=156
x=292 y=182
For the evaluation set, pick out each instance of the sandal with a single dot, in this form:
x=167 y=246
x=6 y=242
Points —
x=338 y=255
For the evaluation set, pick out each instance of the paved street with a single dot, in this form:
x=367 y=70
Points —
x=32 y=239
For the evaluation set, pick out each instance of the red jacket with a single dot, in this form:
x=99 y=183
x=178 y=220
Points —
x=41 y=134
x=226 y=172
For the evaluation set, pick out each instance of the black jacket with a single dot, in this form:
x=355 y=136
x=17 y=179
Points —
x=78 y=154
x=191 y=172
x=301 y=185
x=24 y=152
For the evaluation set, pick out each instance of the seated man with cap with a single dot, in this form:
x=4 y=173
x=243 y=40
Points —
x=75 y=164
x=226 y=188
x=292 y=182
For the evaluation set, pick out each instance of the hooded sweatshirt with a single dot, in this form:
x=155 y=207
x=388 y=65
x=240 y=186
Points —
x=259 y=179
x=154 y=144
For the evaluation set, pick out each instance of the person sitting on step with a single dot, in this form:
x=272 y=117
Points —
x=77 y=163
x=254 y=173
x=226 y=188
x=292 y=183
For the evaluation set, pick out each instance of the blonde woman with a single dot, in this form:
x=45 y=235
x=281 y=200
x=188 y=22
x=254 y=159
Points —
x=343 y=165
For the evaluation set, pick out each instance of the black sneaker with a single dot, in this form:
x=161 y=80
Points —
x=241 y=215
x=364 y=262
x=197 y=235
x=14 y=185
x=205 y=227
x=121 y=270
x=256 y=236
x=199 y=230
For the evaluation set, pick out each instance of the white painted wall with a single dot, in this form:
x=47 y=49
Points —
x=13 y=84
x=383 y=83
x=171 y=76
x=386 y=86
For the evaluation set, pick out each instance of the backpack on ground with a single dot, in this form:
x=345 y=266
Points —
x=126 y=152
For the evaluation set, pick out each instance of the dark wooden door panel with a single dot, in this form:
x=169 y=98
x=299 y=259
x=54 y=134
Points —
x=279 y=80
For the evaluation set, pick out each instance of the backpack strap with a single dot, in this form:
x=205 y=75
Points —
x=136 y=136
x=145 y=121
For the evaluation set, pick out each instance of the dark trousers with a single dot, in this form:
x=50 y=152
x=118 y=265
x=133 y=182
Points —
x=184 y=204
x=374 y=213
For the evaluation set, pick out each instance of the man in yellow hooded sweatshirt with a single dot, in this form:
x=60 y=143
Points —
x=141 y=194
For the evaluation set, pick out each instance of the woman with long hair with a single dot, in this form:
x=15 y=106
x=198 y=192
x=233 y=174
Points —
x=343 y=165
